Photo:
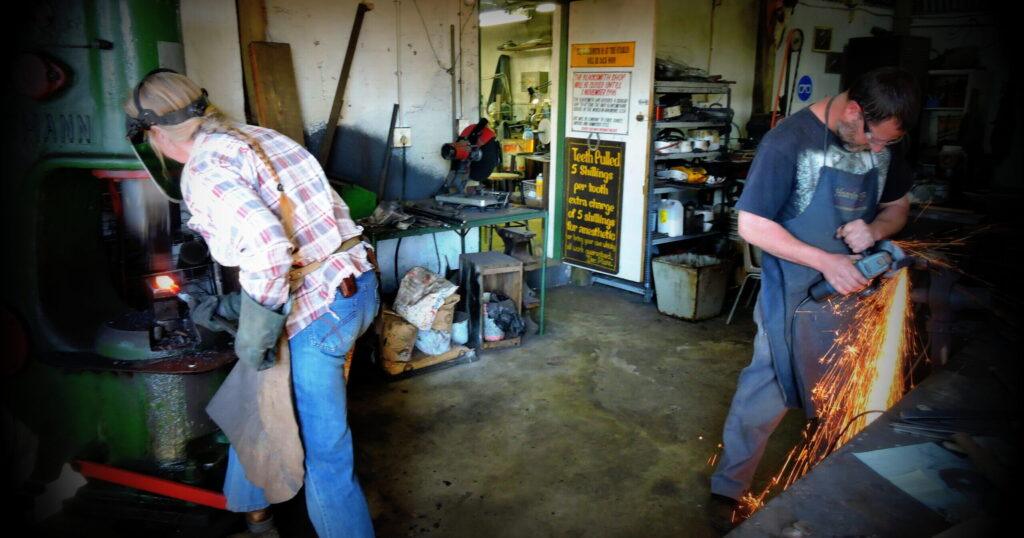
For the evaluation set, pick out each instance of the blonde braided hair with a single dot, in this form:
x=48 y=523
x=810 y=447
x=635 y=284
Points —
x=166 y=92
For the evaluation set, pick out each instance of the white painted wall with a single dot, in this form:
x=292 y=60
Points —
x=393 y=39
x=394 y=63
x=845 y=24
x=209 y=31
x=684 y=34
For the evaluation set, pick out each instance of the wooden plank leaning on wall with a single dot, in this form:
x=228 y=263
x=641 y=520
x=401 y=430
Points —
x=252 y=26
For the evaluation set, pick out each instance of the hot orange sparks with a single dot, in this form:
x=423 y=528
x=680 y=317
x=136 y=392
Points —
x=865 y=377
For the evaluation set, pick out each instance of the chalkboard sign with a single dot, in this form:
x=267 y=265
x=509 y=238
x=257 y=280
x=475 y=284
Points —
x=593 y=204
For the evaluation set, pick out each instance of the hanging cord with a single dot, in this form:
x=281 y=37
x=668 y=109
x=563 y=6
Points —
x=398 y=57
x=437 y=253
x=849 y=423
x=401 y=196
x=398 y=246
x=430 y=42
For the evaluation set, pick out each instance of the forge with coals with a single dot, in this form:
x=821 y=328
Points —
x=155 y=259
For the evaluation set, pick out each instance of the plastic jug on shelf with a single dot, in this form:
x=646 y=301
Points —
x=662 y=216
x=670 y=218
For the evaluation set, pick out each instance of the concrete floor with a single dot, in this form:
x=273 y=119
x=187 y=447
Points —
x=603 y=427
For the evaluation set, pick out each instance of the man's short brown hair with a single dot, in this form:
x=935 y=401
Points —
x=888 y=92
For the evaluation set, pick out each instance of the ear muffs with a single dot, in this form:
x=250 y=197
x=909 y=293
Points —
x=137 y=126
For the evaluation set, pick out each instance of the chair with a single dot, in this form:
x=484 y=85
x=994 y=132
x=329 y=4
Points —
x=752 y=266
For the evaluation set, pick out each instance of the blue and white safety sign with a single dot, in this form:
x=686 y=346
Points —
x=804 y=88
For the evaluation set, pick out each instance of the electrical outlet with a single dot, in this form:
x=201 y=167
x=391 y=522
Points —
x=403 y=137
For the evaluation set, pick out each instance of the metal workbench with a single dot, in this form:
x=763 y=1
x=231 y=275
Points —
x=478 y=218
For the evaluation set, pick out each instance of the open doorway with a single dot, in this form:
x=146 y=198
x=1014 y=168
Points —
x=517 y=83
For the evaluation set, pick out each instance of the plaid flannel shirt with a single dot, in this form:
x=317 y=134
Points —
x=235 y=206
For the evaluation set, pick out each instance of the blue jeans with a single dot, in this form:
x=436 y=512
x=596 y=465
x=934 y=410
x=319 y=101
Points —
x=333 y=497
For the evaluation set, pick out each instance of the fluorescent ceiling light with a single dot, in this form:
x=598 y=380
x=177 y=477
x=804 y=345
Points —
x=500 y=16
x=546 y=7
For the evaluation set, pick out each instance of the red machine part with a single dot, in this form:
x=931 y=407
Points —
x=39 y=76
x=486 y=134
x=112 y=176
x=120 y=174
x=152 y=484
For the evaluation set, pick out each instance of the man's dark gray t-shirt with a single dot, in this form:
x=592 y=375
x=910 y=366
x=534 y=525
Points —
x=785 y=171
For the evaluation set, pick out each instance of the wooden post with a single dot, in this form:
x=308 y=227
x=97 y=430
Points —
x=339 y=93
x=252 y=26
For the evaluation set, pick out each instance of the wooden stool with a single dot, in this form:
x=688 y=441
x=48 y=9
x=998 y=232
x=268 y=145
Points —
x=504 y=179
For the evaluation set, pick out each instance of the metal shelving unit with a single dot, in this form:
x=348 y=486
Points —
x=688 y=156
x=661 y=239
x=658 y=187
x=666 y=124
x=666 y=187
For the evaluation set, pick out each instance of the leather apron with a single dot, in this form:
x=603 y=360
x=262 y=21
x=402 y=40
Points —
x=800 y=330
x=256 y=411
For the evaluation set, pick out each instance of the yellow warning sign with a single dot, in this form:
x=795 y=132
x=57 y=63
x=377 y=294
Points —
x=603 y=54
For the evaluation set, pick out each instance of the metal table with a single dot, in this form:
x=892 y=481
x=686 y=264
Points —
x=844 y=497
x=477 y=218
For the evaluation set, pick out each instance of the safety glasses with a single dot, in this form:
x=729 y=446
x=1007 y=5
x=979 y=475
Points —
x=871 y=137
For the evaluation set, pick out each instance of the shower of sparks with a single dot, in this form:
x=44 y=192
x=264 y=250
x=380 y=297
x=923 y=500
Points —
x=866 y=375
x=940 y=251
x=713 y=458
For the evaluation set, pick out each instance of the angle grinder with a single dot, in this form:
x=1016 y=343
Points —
x=884 y=259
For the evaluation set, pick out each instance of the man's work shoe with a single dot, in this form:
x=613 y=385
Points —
x=271 y=533
x=722 y=513
x=263 y=528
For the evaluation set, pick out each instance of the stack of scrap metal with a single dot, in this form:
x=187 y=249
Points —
x=943 y=424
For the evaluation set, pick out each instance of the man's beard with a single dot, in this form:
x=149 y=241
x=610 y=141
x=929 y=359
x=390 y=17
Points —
x=847 y=133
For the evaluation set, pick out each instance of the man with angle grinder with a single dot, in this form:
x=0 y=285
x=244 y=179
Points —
x=826 y=188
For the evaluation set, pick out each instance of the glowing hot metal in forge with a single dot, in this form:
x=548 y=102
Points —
x=166 y=283
x=866 y=375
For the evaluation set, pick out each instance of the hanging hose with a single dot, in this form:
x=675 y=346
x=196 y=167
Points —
x=784 y=72
x=798 y=42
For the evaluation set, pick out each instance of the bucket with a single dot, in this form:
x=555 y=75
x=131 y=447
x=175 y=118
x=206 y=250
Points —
x=690 y=286
x=460 y=328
